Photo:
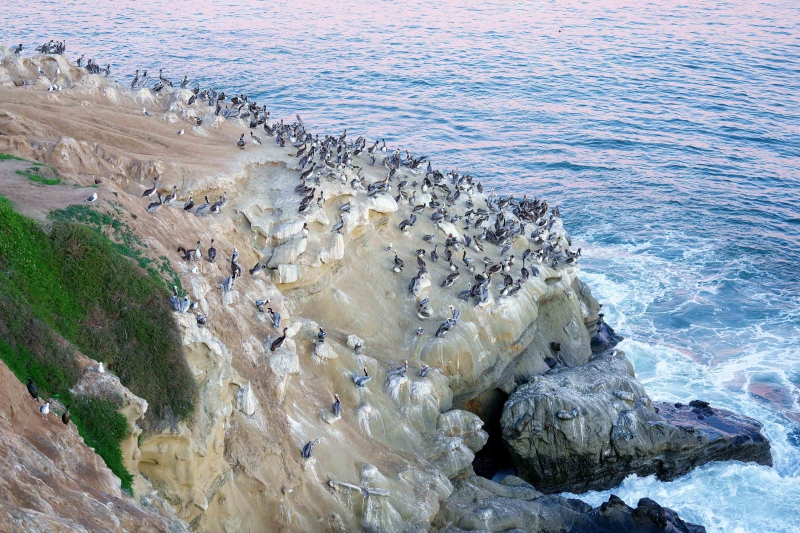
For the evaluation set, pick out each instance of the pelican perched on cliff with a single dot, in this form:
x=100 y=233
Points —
x=308 y=448
x=398 y=264
x=191 y=254
x=174 y=301
x=424 y=371
x=241 y=143
x=212 y=253
x=424 y=311
x=361 y=381
x=256 y=269
x=203 y=209
x=236 y=270
x=152 y=190
x=152 y=207
x=400 y=370
x=275 y=317
x=337 y=406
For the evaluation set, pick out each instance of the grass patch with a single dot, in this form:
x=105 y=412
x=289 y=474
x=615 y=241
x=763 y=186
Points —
x=38 y=179
x=122 y=238
x=104 y=427
x=75 y=282
x=9 y=157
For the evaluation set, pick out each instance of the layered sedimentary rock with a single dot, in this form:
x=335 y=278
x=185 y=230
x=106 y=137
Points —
x=513 y=505
x=588 y=427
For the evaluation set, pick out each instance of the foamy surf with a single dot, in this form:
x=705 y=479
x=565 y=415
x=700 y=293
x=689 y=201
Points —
x=725 y=497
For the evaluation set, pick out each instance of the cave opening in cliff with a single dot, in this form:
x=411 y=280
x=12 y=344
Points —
x=493 y=459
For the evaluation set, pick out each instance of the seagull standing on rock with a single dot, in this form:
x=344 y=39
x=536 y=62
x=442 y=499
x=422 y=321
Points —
x=91 y=199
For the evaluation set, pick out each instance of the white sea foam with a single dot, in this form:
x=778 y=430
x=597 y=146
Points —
x=675 y=367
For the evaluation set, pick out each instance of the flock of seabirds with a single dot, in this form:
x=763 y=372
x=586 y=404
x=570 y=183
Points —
x=416 y=186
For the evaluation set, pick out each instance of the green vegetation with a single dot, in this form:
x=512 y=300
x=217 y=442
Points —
x=75 y=284
x=103 y=427
x=6 y=157
x=37 y=178
x=122 y=239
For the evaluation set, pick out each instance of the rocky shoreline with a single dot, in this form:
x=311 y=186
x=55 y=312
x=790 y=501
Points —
x=589 y=427
x=528 y=366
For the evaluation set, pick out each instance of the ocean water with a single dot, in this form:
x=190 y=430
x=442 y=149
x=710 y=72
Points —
x=667 y=131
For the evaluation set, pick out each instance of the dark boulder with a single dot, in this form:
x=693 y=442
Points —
x=512 y=505
x=589 y=427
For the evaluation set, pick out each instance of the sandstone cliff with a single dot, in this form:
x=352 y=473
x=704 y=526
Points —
x=391 y=458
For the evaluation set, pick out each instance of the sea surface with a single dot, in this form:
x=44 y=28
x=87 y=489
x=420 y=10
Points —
x=667 y=131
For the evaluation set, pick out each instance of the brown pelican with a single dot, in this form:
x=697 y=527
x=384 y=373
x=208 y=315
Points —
x=152 y=207
x=151 y=191
x=361 y=381
x=308 y=448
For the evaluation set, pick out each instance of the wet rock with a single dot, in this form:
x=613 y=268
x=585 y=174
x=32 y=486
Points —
x=478 y=504
x=604 y=338
x=588 y=427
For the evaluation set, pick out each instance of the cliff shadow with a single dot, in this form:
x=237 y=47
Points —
x=493 y=459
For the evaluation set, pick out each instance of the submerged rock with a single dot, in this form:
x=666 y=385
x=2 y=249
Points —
x=478 y=504
x=588 y=427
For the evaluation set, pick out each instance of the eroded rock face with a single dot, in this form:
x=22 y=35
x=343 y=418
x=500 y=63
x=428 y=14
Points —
x=588 y=427
x=51 y=481
x=512 y=505
x=387 y=460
